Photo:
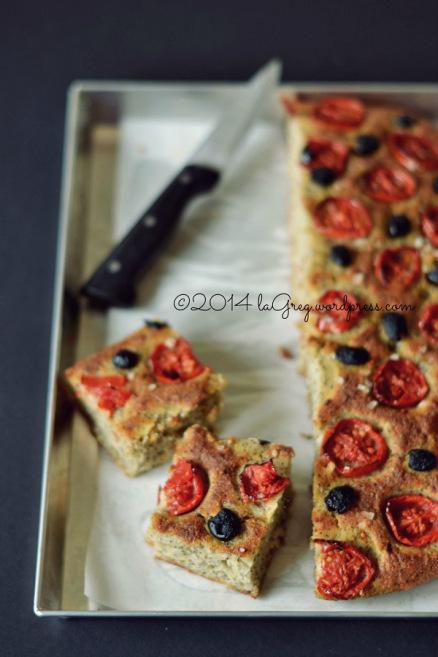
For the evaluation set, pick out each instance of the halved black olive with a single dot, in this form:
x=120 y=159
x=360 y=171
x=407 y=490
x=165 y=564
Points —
x=421 y=460
x=341 y=256
x=340 y=499
x=323 y=176
x=432 y=276
x=352 y=355
x=125 y=359
x=399 y=225
x=405 y=121
x=395 y=326
x=225 y=525
x=306 y=156
x=366 y=144
x=155 y=325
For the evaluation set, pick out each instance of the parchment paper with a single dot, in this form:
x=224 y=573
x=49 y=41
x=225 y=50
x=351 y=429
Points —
x=234 y=241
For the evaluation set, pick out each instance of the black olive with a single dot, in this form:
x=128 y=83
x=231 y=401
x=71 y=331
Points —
x=341 y=256
x=264 y=442
x=155 y=325
x=398 y=225
x=421 y=460
x=306 y=156
x=125 y=359
x=404 y=121
x=353 y=355
x=323 y=176
x=340 y=499
x=435 y=185
x=395 y=326
x=432 y=276
x=225 y=525
x=366 y=144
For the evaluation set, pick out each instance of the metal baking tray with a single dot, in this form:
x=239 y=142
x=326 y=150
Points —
x=86 y=206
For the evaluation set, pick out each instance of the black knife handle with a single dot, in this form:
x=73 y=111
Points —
x=113 y=282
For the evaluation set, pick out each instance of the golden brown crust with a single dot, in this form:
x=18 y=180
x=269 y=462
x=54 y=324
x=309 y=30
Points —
x=341 y=391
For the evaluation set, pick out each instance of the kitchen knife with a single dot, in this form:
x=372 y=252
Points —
x=113 y=282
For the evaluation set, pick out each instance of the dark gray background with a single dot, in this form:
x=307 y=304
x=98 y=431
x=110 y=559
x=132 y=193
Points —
x=45 y=45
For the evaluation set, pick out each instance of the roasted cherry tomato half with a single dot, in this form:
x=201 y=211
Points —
x=173 y=361
x=389 y=185
x=186 y=487
x=355 y=447
x=342 y=314
x=429 y=225
x=111 y=392
x=412 y=519
x=398 y=267
x=342 y=219
x=340 y=113
x=399 y=383
x=260 y=481
x=325 y=153
x=344 y=570
x=413 y=152
x=428 y=322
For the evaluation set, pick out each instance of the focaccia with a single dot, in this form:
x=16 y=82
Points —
x=143 y=392
x=221 y=513
x=364 y=236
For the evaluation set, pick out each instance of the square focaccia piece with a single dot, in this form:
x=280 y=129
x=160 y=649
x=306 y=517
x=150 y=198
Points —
x=142 y=393
x=221 y=514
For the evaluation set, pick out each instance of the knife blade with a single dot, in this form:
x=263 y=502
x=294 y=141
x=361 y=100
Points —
x=113 y=282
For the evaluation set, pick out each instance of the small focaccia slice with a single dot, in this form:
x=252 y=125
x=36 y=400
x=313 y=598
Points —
x=142 y=393
x=221 y=514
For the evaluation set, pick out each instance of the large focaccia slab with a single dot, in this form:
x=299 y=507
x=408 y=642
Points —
x=364 y=235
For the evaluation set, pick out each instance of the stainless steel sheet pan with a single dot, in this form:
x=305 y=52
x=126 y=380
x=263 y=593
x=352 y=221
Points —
x=94 y=113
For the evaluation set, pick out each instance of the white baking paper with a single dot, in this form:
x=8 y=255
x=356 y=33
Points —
x=234 y=241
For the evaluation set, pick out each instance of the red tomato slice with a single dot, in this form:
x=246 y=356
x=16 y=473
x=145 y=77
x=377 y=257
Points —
x=399 y=383
x=412 y=519
x=110 y=391
x=399 y=267
x=429 y=225
x=186 y=487
x=111 y=399
x=342 y=218
x=428 y=322
x=345 y=571
x=389 y=185
x=174 y=362
x=413 y=152
x=112 y=381
x=260 y=481
x=355 y=447
x=343 y=315
x=340 y=113
x=326 y=153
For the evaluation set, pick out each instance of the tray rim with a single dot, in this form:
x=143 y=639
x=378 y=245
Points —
x=74 y=90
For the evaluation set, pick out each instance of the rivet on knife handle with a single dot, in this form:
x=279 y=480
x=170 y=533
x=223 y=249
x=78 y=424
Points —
x=113 y=282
